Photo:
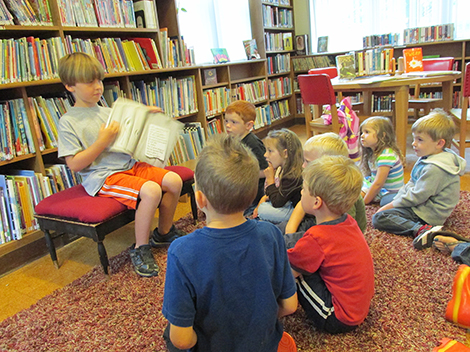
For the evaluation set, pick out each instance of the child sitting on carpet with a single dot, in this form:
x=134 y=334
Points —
x=239 y=119
x=332 y=261
x=229 y=282
x=315 y=147
x=422 y=206
x=381 y=161
x=283 y=176
x=83 y=142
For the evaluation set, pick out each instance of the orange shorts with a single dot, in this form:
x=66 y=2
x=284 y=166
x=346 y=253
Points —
x=125 y=186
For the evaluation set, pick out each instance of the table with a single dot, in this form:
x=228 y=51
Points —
x=400 y=86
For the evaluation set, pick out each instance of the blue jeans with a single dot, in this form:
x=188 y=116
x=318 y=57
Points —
x=400 y=221
x=461 y=253
x=267 y=212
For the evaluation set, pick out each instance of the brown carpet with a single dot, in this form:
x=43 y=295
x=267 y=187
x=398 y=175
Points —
x=123 y=313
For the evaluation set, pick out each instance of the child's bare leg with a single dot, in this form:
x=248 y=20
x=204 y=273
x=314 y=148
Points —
x=171 y=186
x=150 y=196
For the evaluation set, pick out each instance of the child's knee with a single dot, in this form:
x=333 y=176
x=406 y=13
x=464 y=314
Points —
x=149 y=190
x=172 y=183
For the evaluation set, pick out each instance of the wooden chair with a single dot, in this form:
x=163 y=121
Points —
x=333 y=72
x=75 y=212
x=426 y=104
x=316 y=90
x=461 y=115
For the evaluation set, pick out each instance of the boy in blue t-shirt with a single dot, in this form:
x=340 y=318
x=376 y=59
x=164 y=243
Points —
x=229 y=282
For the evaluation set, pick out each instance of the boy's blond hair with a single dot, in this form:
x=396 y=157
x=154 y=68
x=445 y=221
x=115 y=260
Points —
x=327 y=144
x=336 y=180
x=79 y=68
x=438 y=125
x=227 y=173
x=242 y=108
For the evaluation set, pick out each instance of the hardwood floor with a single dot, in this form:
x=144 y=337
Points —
x=23 y=287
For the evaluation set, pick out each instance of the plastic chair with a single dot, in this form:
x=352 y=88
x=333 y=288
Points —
x=426 y=104
x=316 y=90
x=333 y=72
x=287 y=344
x=461 y=115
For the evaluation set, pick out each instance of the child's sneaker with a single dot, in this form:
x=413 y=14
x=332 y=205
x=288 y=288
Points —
x=158 y=240
x=143 y=260
x=425 y=236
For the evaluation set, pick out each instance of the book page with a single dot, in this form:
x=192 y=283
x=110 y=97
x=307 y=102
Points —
x=157 y=141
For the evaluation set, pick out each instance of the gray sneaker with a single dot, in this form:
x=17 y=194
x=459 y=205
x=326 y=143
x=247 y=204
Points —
x=143 y=261
x=158 y=240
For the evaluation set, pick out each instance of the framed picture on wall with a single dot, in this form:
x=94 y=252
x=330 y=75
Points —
x=322 y=44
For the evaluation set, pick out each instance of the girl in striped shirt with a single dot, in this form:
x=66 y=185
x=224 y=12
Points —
x=381 y=161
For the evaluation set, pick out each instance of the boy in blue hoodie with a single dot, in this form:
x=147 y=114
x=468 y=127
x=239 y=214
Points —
x=422 y=206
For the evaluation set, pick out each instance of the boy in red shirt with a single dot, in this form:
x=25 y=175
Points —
x=332 y=261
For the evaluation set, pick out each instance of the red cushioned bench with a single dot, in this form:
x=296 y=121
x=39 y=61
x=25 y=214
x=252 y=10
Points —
x=73 y=211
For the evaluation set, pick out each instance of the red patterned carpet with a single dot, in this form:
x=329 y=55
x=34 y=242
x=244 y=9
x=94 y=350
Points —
x=123 y=313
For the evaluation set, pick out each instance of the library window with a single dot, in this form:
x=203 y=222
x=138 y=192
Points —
x=346 y=22
x=208 y=24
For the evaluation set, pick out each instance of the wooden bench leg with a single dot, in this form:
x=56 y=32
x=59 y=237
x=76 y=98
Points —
x=192 y=199
x=103 y=257
x=51 y=247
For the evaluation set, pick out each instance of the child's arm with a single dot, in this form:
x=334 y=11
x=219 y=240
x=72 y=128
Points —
x=262 y=200
x=182 y=338
x=295 y=219
x=377 y=185
x=287 y=306
x=84 y=158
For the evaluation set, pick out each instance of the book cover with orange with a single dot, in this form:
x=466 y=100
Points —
x=413 y=59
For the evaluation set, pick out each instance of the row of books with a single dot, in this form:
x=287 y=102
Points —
x=176 y=96
x=428 y=34
x=253 y=92
x=303 y=64
x=16 y=135
x=371 y=41
x=382 y=103
x=279 y=63
x=279 y=87
x=116 y=55
x=278 y=41
x=277 y=17
x=29 y=59
x=175 y=52
x=25 y=12
x=216 y=100
x=277 y=2
x=94 y=13
x=374 y=61
x=214 y=126
x=268 y=113
x=189 y=144
x=22 y=190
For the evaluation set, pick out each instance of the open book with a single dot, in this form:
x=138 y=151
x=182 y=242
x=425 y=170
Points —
x=147 y=136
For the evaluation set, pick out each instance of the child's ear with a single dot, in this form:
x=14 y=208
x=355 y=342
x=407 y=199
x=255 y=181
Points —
x=71 y=89
x=285 y=153
x=201 y=199
x=441 y=143
x=249 y=125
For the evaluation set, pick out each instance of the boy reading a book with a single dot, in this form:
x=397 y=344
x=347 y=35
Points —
x=332 y=261
x=83 y=142
x=227 y=283
x=239 y=120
